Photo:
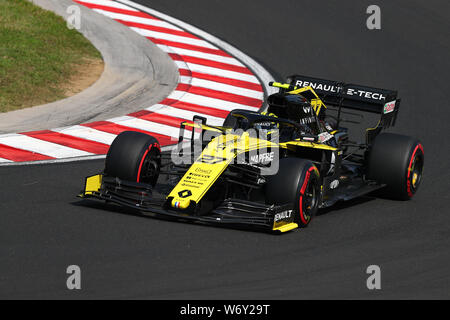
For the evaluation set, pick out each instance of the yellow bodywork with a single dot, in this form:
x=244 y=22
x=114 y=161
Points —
x=214 y=159
x=225 y=148
x=285 y=227
x=92 y=184
x=307 y=144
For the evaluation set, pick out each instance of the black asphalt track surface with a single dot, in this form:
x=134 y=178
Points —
x=44 y=228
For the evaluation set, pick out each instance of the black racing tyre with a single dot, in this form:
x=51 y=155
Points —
x=397 y=161
x=297 y=182
x=134 y=156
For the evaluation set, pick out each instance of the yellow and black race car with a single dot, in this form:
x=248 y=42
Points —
x=270 y=170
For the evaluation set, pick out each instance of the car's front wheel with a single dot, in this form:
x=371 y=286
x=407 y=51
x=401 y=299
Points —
x=134 y=156
x=297 y=182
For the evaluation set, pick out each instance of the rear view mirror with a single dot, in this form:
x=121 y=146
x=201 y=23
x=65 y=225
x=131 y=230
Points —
x=310 y=138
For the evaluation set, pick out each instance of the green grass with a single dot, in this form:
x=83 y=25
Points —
x=38 y=53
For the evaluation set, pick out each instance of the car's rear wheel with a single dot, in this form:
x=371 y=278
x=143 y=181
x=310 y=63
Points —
x=134 y=156
x=297 y=182
x=397 y=161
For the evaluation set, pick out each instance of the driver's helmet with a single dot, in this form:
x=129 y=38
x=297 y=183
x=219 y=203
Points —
x=301 y=111
x=306 y=113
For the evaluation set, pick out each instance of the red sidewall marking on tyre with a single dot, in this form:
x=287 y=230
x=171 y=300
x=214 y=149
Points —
x=302 y=192
x=142 y=162
x=408 y=181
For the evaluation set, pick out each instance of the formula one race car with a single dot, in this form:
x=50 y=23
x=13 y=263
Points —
x=270 y=170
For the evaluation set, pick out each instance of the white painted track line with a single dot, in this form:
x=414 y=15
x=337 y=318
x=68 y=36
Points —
x=50 y=149
x=185 y=114
x=222 y=87
x=109 y=3
x=87 y=133
x=218 y=72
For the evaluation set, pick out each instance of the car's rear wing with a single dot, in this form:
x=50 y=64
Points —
x=352 y=96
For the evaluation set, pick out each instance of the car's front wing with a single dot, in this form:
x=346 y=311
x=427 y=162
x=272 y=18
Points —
x=231 y=212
